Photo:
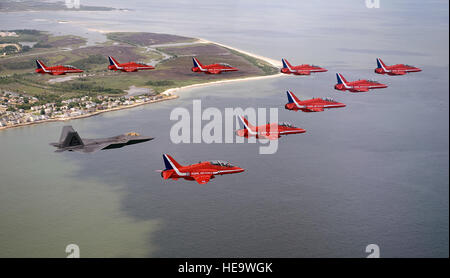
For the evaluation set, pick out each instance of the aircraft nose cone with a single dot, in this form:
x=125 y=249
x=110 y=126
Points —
x=301 y=130
x=239 y=170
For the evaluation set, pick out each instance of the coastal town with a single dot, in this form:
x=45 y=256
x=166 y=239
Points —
x=18 y=109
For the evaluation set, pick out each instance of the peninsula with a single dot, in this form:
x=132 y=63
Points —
x=28 y=98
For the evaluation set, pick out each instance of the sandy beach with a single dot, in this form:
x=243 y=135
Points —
x=271 y=61
x=178 y=89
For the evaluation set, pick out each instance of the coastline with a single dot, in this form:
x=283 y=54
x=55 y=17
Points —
x=169 y=93
x=177 y=89
x=168 y=97
x=271 y=61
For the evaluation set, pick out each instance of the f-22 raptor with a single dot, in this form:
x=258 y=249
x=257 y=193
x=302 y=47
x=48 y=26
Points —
x=71 y=141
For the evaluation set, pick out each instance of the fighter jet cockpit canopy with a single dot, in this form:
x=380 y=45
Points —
x=329 y=99
x=70 y=66
x=286 y=124
x=221 y=163
x=225 y=65
x=132 y=134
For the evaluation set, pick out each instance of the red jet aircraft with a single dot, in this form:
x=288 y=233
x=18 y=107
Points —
x=201 y=172
x=310 y=105
x=357 y=86
x=398 y=69
x=127 y=67
x=301 y=69
x=56 y=70
x=211 y=69
x=267 y=131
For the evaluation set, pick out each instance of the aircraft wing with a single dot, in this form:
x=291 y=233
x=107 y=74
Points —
x=272 y=136
x=398 y=72
x=130 y=69
x=360 y=89
x=214 y=71
x=303 y=72
x=95 y=147
x=202 y=179
x=58 y=72
x=314 y=109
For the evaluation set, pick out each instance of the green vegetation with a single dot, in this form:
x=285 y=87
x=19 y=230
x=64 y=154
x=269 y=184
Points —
x=87 y=88
x=90 y=62
x=10 y=49
x=264 y=66
x=20 y=65
x=159 y=83
x=17 y=71
x=24 y=35
x=42 y=45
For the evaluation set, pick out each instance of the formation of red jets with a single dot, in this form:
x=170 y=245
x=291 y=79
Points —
x=203 y=172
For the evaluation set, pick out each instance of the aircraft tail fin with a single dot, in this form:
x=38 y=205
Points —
x=170 y=163
x=340 y=79
x=286 y=64
x=197 y=63
x=246 y=124
x=40 y=65
x=69 y=138
x=291 y=97
x=112 y=61
x=381 y=64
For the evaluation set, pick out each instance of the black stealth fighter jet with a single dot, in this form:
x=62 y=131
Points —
x=71 y=141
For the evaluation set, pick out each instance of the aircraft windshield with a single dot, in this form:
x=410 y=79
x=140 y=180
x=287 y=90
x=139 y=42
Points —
x=329 y=99
x=221 y=163
x=69 y=66
x=373 y=81
x=132 y=134
x=286 y=124
x=224 y=64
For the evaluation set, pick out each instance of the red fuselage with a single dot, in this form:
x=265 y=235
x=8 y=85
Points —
x=211 y=69
x=398 y=69
x=271 y=131
x=130 y=67
x=357 y=86
x=313 y=105
x=127 y=67
x=301 y=69
x=201 y=172
x=56 y=70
